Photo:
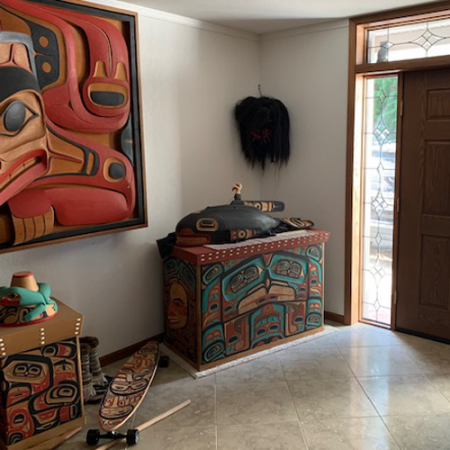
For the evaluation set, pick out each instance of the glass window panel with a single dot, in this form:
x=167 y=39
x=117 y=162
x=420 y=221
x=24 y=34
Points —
x=406 y=33
x=376 y=39
x=440 y=27
x=441 y=48
x=372 y=157
x=406 y=51
x=376 y=36
x=380 y=129
x=412 y=41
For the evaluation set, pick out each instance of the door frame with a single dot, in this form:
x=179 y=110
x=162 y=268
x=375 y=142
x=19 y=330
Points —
x=358 y=70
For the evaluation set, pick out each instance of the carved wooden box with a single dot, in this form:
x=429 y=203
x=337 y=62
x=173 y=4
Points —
x=225 y=302
x=40 y=380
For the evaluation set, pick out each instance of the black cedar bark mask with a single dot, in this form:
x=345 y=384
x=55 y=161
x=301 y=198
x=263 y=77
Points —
x=263 y=124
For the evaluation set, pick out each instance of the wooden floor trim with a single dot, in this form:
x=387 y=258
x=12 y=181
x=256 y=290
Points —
x=128 y=351
x=338 y=318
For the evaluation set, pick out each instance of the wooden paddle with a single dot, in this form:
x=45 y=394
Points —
x=148 y=424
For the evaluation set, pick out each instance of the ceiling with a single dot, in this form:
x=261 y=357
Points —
x=266 y=16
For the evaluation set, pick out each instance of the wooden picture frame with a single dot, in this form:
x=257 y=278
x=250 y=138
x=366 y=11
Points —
x=82 y=171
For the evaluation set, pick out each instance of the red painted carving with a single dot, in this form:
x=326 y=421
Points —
x=29 y=203
x=96 y=201
x=64 y=104
x=25 y=178
x=88 y=206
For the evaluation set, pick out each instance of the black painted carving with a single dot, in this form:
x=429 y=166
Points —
x=14 y=117
x=15 y=80
x=108 y=98
x=126 y=141
x=116 y=171
x=48 y=54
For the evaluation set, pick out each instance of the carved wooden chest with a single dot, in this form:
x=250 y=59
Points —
x=224 y=302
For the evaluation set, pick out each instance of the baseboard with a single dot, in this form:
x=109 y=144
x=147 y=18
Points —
x=338 y=318
x=127 y=351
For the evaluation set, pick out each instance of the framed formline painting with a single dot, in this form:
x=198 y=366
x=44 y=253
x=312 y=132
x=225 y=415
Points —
x=71 y=156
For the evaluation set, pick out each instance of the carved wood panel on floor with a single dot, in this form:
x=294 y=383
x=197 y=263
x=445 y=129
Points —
x=71 y=160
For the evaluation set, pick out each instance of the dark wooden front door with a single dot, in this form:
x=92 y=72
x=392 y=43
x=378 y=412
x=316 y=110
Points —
x=423 y=284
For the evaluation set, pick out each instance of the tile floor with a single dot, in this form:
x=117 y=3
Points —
x=363 y=388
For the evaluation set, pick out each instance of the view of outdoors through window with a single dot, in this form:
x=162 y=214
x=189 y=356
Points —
x=379 y=189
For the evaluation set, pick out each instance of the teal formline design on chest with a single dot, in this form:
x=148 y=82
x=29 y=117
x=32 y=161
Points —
x=262 y=299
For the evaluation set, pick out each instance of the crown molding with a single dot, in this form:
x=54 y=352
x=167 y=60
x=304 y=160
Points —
x=175 y=18
x=309 y=29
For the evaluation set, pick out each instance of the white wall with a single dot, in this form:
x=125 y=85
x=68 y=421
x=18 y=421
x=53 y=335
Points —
x=307 y=69
x=192 y=74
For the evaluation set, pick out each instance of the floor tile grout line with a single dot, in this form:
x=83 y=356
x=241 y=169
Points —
x=391 y=434
x=293 y=404
x=346 y=362
x=372 y=403
x=420 y=371
x=375 y=415
x=339 y=353
x=380 y=375
x=427 y=376
x=422 y=414
x=395 y=376
x=261 y=422
x=215 y=412
x=362 y=387
x=305 y=439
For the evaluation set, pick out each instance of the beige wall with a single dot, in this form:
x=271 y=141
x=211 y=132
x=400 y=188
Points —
x=192 y=74
x=307 y=69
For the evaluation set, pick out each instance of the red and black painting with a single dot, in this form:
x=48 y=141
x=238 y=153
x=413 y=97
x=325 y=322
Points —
x=71 y=160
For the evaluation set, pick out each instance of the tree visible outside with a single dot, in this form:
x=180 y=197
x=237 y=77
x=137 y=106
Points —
x=385 y=114
x=379 y=186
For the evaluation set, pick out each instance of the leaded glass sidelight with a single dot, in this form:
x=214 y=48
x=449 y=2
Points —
x=380 y=134
x=412 y=41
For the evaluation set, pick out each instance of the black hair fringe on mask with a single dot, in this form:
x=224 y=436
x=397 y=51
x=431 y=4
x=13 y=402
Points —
x=263 y=124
